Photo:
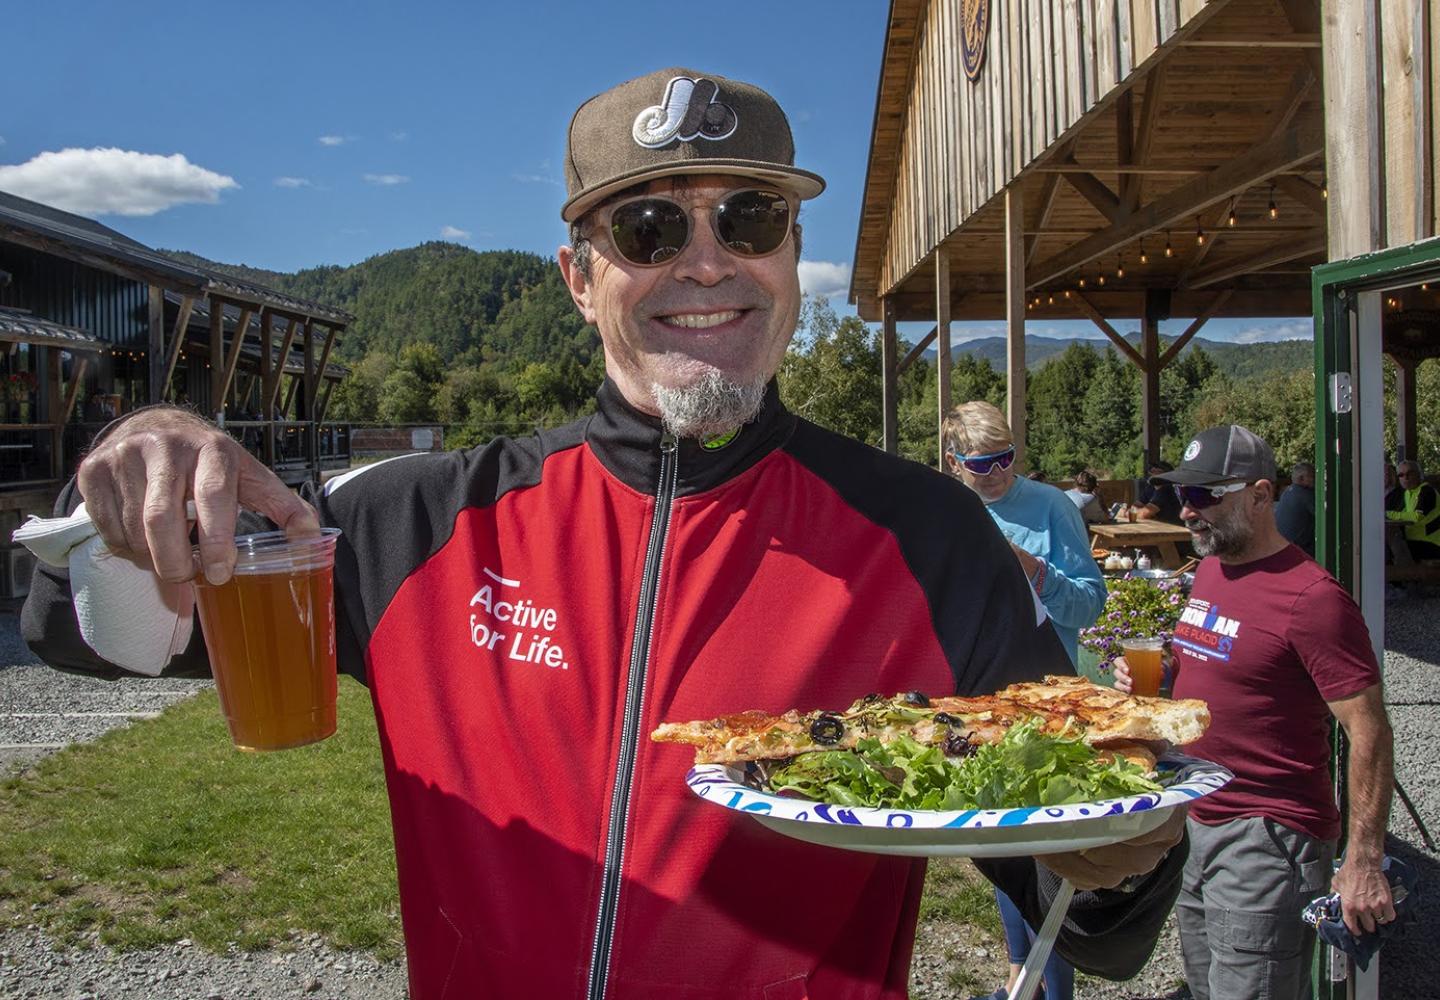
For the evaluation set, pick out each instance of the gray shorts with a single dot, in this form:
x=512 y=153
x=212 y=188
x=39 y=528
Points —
x=1244 y=886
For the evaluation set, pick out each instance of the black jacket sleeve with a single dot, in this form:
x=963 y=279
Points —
x=1107 y=933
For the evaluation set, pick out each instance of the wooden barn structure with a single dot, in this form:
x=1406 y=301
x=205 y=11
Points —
x=94 y=324
x=1142 y=160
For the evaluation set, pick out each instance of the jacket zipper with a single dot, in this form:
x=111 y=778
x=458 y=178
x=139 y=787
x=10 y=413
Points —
x=629 y=738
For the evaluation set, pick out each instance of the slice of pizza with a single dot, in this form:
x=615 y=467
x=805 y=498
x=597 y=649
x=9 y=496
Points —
x=1118 y=723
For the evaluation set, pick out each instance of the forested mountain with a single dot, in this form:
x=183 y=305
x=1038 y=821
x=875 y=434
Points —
x=1237 y=359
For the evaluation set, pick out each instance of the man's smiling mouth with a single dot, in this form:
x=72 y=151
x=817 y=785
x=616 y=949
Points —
x=700 y=321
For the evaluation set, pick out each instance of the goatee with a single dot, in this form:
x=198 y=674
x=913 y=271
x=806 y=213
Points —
x=715 y=404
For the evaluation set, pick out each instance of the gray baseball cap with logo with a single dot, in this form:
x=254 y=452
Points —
x=1224 y=454
x=678 y=121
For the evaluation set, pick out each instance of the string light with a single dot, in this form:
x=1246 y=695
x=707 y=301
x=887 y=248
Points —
x=1274 y=212
x=1082 y=282
x=1144 y=257
x=1052 y=299
x=1067 y=293
x=1199 y=233
x=1169 y=250
x=1324 y=187
x=1100 y=280
x=1230 y=221
x=1120 y=266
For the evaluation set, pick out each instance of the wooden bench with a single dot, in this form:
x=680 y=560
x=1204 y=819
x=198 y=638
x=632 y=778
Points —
x=1424 y=571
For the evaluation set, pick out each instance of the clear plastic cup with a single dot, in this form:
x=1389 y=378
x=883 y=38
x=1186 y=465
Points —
x=270 y=632
x=1144 y=655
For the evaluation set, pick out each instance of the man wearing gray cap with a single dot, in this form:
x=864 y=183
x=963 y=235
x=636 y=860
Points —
x=690 y=549
x=1276 y=647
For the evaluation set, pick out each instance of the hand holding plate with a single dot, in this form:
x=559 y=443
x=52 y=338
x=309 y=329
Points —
x=1108 y=866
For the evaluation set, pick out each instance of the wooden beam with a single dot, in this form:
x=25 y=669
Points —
x=1074 y=167
x=916 y=351
x=942 y=348
x=1307 y=194
x=290 y=397
x=1279 y=252
x=177 y=342
x=889 y=384
x=1123 y=345
x=1290 y=149
x=1014 y=319
x=324 y=402
x=272 y=393
x=1150 y=373
x=1048 y=190
x=77 y=379
x=330 y=338
x=1305 y=21
x=155 y=356
x=242 y=329
x=1127 y=193
x=1217 y=230
x=1179 y=345
x=1240 y=40
x=217 y=355
x=1149 y=114
x=1097 y=193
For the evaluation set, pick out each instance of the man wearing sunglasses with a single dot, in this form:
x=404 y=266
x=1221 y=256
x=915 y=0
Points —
x=690 y=549
x=1276 y=647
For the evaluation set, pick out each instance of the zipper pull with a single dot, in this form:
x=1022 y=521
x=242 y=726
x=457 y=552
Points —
x=667 y=443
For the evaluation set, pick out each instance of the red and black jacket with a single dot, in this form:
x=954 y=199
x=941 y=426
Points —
x=527 y=612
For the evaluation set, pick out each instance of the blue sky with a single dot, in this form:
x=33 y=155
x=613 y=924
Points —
x=290 y=135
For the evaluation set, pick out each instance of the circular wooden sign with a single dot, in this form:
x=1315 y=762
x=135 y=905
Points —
x=975 y=16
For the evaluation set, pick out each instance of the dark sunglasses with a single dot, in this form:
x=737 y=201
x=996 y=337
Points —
x=1201 y=497
x=983 y=465
x=650 y=230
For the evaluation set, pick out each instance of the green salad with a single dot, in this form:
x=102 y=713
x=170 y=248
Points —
x=1026 y=768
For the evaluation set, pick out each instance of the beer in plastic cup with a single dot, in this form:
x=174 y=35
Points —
x=1144 y=657
x=270 y=632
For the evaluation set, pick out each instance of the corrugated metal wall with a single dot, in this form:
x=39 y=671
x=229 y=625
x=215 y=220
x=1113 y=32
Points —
x=108 y=307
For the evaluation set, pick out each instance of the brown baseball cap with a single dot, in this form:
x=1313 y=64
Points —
x=678 y=121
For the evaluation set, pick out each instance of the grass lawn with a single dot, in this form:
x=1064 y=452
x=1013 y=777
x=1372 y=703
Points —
x=164 y=831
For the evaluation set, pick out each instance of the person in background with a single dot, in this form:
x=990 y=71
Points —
x=1420 y=514
x=1086 y=499
x=1295 y=513
x=1156 y=500
x=1276 y=647
x=1049 y=539
x=1394 y=493
x=1036 y=476
x=690 y=528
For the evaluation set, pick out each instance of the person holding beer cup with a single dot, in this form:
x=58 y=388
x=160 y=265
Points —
x=1276 y=647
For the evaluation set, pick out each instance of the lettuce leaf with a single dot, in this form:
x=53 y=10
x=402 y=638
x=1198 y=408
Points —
x=1027 y=768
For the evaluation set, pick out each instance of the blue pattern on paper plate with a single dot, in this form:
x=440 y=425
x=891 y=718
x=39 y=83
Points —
x=1184 y=778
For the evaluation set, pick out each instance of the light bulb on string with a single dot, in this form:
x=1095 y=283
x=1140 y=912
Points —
x=1052 y=299
x=1082 y=282
x=1230 y=220
x=1169 y=250
x=1120 y=267
x=1100 y=280
x=1199 y=233
x=1324 y=187
x=1144 y=257
x=1274 y=212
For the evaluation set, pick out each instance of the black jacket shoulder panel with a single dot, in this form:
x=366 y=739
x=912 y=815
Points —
x=982 y=607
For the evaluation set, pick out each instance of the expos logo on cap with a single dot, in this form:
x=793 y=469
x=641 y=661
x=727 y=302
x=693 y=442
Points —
x=688 y=111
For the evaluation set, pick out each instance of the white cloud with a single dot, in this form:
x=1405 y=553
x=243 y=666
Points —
x=333 y=140
x=2 y=140
x=824 y=278
x=113 y=181
x=454 y=233
x=537 y=179
x=292 y=182
x=1269 y=332
x=387 y=180
x=399 y=135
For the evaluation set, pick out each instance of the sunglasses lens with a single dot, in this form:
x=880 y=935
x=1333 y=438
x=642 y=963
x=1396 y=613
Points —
x=753 y=223
x=989 y=463
x=1196 y=497
x=649 y=230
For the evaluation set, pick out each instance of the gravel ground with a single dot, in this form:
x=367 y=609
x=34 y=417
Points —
x=41 y=709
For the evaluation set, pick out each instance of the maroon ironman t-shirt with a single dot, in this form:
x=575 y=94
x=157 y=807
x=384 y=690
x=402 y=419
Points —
x=1267 y=644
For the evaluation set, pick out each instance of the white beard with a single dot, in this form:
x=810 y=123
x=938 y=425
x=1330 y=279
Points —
x=712 y=405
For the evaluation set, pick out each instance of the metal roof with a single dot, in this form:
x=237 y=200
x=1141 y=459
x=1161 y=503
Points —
x=21 y=326
x=200 y=316
x=65 y=234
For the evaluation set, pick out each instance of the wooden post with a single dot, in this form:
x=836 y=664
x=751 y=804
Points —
x=267 y=344
x=155 y=390
x=942 y=347
x=217 y=358
x=177 y=343
x=1156 y=301
x=55 y=412
x=889 y=385
x=312 y=437
x=1407 y=444
x=1015 y=317
x=1354 y=140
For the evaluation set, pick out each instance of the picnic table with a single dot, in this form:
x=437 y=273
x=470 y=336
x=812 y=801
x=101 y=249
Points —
x=1157 y=535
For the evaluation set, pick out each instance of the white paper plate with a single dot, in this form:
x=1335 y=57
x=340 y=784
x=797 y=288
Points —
x=979 y=833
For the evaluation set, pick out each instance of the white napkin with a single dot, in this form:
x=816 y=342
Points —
x=128 y=615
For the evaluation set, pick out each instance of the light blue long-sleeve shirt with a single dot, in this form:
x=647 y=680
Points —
x=1045 y=523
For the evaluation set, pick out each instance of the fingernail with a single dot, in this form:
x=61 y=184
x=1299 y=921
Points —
x=216 y=572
